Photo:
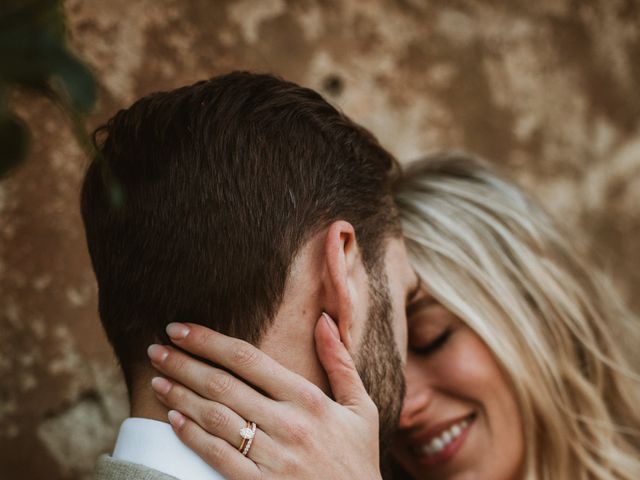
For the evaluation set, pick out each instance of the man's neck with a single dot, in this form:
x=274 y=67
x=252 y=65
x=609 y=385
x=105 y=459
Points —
x=144 y=403
x=290 y=339
x=291 y=343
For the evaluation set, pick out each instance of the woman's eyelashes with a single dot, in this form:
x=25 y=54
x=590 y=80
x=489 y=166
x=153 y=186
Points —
x=434 y=345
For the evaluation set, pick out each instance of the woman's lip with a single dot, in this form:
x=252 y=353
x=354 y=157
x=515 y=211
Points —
x=436 y=430
x=436 y=459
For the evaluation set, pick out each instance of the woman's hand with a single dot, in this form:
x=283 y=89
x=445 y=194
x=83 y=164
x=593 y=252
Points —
x=301 y=434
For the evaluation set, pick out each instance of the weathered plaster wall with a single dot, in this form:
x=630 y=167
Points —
x=548 y=89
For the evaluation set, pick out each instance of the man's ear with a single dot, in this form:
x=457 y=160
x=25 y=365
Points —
x=343 y=270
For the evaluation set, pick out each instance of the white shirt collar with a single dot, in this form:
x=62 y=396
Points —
x=154 y=444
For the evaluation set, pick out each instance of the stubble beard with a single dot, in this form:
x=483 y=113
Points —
x=379 y=364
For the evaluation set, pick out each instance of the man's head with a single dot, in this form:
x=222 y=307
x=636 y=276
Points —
x=224 y=181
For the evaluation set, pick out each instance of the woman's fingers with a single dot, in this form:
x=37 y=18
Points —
x=213 y=417
x=344 y=379
x=212 y=383
x=239 y=357
x=218 y=453
x=301 y=432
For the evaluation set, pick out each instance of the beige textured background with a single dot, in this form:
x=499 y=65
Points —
x=549 y=89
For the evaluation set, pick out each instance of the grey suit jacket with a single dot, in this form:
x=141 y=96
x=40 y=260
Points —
x=109 y=468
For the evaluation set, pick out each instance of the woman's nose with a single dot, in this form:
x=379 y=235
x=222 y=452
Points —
x=417 y=398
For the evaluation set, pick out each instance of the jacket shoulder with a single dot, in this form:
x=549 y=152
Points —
x=109 y=468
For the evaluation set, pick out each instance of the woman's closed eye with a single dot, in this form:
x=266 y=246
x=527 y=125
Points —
x=432 y=346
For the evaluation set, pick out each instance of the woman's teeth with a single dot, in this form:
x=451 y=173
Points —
x=437 y=444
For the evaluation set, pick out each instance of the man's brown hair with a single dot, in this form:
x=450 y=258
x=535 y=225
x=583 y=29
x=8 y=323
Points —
x=223 y=182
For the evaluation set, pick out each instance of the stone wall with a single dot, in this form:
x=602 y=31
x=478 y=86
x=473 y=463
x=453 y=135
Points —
x=548 y=89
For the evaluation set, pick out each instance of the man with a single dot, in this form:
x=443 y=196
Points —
x=250 y=206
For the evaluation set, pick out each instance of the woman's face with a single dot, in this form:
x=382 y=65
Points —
x=460 y=419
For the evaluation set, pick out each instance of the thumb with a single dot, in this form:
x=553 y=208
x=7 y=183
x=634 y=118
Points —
x=344 y=380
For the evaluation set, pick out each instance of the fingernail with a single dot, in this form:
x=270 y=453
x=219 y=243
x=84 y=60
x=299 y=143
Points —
x=177 y=331
x=176 y=419
x=160 y=385
x=332 y=325
x=157 y=353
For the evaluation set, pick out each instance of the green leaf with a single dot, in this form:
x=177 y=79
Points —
x=42 y=15
x=33 y=52
x=14 y=142
x=28 y=55
x=77 y=81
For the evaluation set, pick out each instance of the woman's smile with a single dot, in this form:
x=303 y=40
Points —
x=459 y=408
x=441 y=442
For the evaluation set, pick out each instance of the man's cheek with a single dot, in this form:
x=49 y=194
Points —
x=400 y=330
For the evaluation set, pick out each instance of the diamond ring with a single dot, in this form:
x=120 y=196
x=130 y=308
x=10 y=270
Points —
x=247 y=433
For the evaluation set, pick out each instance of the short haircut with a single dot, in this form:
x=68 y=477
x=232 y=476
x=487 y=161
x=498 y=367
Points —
x=223 y=181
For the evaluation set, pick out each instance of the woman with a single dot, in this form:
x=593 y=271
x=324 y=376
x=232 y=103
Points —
x=512 y=369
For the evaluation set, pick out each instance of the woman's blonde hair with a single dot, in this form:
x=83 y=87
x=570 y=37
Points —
x=492 y=256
